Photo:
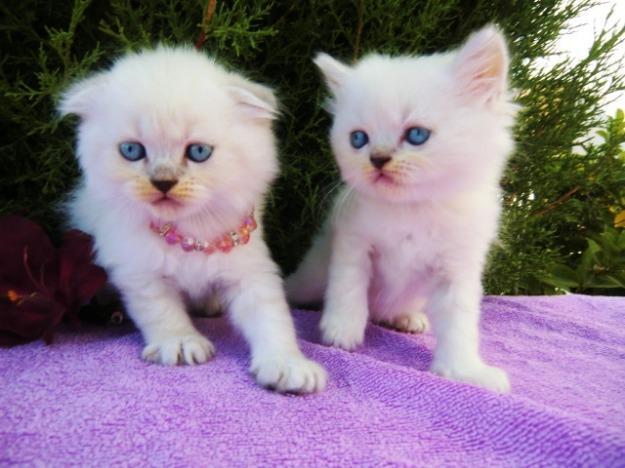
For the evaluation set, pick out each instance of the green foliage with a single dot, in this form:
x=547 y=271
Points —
x=563 y=187
x=601 y=265
x=557 y=209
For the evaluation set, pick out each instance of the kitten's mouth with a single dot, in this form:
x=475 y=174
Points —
x=383 y=178
x=166 y=202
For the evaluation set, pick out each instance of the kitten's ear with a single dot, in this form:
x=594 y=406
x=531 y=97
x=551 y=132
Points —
x=481 y=64
x=256 y=101
x=334 y=72
x=79 y=97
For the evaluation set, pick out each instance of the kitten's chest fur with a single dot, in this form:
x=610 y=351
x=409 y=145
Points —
x=414 y=247
x=127 y=248
x=406 y=243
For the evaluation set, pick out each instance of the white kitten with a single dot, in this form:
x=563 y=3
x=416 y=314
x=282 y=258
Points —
x=168 y=136
x=421 y=143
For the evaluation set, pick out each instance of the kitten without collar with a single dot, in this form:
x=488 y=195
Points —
x=167 y=135
x=421 y=143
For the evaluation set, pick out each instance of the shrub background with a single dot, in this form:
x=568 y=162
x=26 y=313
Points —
x=564 y=190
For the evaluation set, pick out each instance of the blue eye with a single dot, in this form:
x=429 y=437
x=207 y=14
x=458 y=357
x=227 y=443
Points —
x=358 y=139
x=198 y=152
x=132 y=150
x=417 y=135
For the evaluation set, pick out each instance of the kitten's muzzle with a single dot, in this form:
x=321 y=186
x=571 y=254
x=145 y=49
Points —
x=163 y=185
x=379 y=160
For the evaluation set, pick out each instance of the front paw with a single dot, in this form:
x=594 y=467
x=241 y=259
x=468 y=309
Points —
x=341 y=331
x=291 y=373
x=184 y=349
x=478 y=373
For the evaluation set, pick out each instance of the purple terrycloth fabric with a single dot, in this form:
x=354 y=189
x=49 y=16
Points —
x=88 y=400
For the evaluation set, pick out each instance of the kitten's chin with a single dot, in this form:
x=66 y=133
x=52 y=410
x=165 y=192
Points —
x=396 y=188
x=386 y=187
x=391 y=190
x=166 y=209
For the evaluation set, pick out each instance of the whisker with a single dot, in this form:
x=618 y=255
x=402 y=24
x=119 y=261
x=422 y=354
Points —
x=337 y=185
x=342 y=201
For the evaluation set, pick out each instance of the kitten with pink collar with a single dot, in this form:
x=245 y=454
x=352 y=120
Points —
x=177 y=155
x=421 y=143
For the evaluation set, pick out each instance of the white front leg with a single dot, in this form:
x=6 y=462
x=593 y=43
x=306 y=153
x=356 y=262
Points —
x=259 y=309
x=157 y=309
x=345 y=311
x=454 y=311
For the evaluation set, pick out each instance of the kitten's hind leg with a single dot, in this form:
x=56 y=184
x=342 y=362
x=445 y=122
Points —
x=410 y=318
x=409 y=322
x=211 y=306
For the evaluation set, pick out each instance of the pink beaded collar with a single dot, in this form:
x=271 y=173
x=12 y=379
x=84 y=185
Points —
x=223 y=244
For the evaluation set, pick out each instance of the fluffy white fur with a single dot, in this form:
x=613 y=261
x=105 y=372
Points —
x=409 y=241
x=165 y=99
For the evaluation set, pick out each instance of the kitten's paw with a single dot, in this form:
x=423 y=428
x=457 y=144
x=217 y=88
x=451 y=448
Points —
x=292 y=373
x=411 y=322
x=479 y=374
x=337 y=330
x=185 y=349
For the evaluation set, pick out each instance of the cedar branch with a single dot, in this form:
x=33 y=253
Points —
x=358 y=31
x=208 y=15
x=554 y=204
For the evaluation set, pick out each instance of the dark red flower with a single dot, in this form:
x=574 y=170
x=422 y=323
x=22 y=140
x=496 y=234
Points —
x=79 y=278
x=40 y=285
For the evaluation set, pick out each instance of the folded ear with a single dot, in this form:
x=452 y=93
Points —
x=255 y=100
x=481 y=64
x=334 y=72
x=80 y=97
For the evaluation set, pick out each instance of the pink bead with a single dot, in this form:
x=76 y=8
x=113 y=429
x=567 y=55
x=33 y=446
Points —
x=172 y=238
x=188 y=244
x=200 y=246
x=245 y=237
x=225 y=244
x=251 y=223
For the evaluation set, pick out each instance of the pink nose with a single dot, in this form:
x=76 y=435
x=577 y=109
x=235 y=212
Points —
x=379 y=161
x=163 y=185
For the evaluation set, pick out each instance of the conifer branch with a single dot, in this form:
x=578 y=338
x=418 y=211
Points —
x=558 y=160
x=559 y=201
x=208 y=15
x=358 y=31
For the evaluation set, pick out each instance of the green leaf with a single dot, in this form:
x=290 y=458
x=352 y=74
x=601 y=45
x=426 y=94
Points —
x=561 y=276
x=605 y=282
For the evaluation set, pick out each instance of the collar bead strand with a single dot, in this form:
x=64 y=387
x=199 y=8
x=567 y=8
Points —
x=223 y=244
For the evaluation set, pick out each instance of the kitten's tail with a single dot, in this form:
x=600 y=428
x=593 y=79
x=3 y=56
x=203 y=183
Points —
x=307 y=284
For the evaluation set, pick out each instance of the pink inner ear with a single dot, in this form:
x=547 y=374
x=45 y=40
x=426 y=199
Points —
x=333 y=71
x=80 y=97
x=253 y=105
x=481 y=65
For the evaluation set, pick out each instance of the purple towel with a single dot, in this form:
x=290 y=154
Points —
x=89 y=400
